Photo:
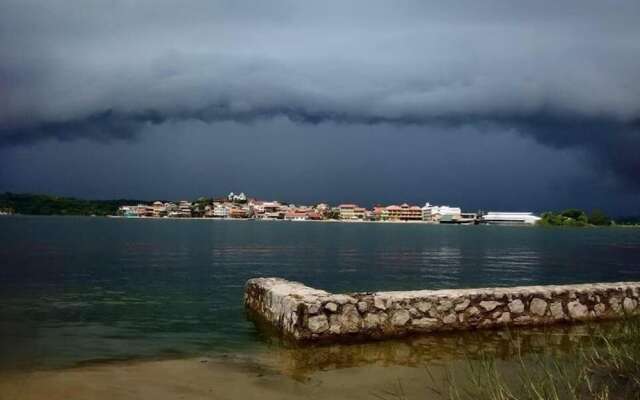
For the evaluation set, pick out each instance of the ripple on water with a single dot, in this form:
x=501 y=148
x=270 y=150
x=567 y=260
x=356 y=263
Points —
x=177 y=286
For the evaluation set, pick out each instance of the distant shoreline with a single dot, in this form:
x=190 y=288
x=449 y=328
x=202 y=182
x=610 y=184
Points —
x=283 y=220
x=330 y=221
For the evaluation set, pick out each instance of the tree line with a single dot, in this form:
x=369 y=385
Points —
x=39 y=204
x=575 y=217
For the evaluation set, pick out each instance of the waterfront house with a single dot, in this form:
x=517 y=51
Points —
x=171 y=207
x=431 y=213
x=402 y=212
x=128 y=211
x=220 y=210
x=159 y=209
x=184 y=209
x=239 y=212
x=351 y=212
x=273 y=210
x=376 y=213
x=257 y=208
x=322 y=209
x=296 y=214
x=144 y=210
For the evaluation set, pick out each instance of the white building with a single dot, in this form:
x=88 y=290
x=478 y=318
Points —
x=220 y=211
x=184 y=209
x=128 y=211
x=237 y=197
x=433 y=213
x=510 y=218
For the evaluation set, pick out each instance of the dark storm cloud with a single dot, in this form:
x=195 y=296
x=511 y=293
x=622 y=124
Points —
x=564 y=74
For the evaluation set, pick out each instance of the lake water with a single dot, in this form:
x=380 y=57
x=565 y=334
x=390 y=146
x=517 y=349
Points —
x=75 y=289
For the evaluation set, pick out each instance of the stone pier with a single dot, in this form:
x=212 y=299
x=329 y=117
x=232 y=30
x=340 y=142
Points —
x=306 y=314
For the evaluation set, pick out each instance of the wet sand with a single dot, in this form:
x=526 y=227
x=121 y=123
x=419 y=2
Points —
x=193 y=379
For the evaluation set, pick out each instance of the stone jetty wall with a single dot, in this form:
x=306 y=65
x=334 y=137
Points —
x=307 y=314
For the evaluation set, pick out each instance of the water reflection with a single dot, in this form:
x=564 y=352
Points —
x=425 y=350
x=518 y=264
x=442 y=265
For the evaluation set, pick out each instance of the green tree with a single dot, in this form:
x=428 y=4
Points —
x=569 y=217
x=334 y=214
x=572 y=213
x=51 y=205
x=598 y=217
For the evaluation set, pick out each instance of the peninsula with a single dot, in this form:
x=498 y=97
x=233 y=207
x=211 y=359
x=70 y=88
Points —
x=242 y=207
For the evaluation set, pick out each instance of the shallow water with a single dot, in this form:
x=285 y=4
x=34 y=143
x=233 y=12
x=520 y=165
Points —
x=414 y=368
x=75 y=290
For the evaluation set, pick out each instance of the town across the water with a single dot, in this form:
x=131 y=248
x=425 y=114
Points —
x=241 y=207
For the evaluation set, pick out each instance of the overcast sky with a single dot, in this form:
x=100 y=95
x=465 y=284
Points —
x=494 y=104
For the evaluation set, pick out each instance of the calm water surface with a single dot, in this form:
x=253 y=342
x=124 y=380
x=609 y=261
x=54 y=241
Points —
x=83 y=289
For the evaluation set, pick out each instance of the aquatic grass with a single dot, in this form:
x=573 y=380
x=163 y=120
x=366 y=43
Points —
x=614 y=360
x=606 y=367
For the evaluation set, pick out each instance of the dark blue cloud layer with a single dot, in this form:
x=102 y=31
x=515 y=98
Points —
x=563 y=74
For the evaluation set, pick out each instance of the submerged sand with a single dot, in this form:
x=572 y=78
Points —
x=402 y=369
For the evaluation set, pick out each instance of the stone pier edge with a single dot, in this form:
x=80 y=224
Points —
x=305 y=314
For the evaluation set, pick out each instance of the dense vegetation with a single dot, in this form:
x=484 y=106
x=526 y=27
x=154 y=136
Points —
x=628 y=221
x=38 y=204
x=575 y=217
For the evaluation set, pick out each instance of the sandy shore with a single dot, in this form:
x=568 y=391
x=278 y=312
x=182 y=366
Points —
x=212 y=379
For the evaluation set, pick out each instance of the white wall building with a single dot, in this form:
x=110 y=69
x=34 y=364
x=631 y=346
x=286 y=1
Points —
x=237 y=197
x=433 y=213
x=184 y=209
x=510 y=218
x=220 y=211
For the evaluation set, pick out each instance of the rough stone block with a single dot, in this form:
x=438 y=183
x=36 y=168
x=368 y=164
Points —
x=463 y=305
x=516 y=306
x=489 y=305
x=577 y=310
x=426 y=323
x=331 y=307
x=400 y=318
x=556 y=310
x=538 y=307
x=318 y=324
x=423 y=306
x=298 y=313
x=629 y=304
x=504 y=318
x=379 y=303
